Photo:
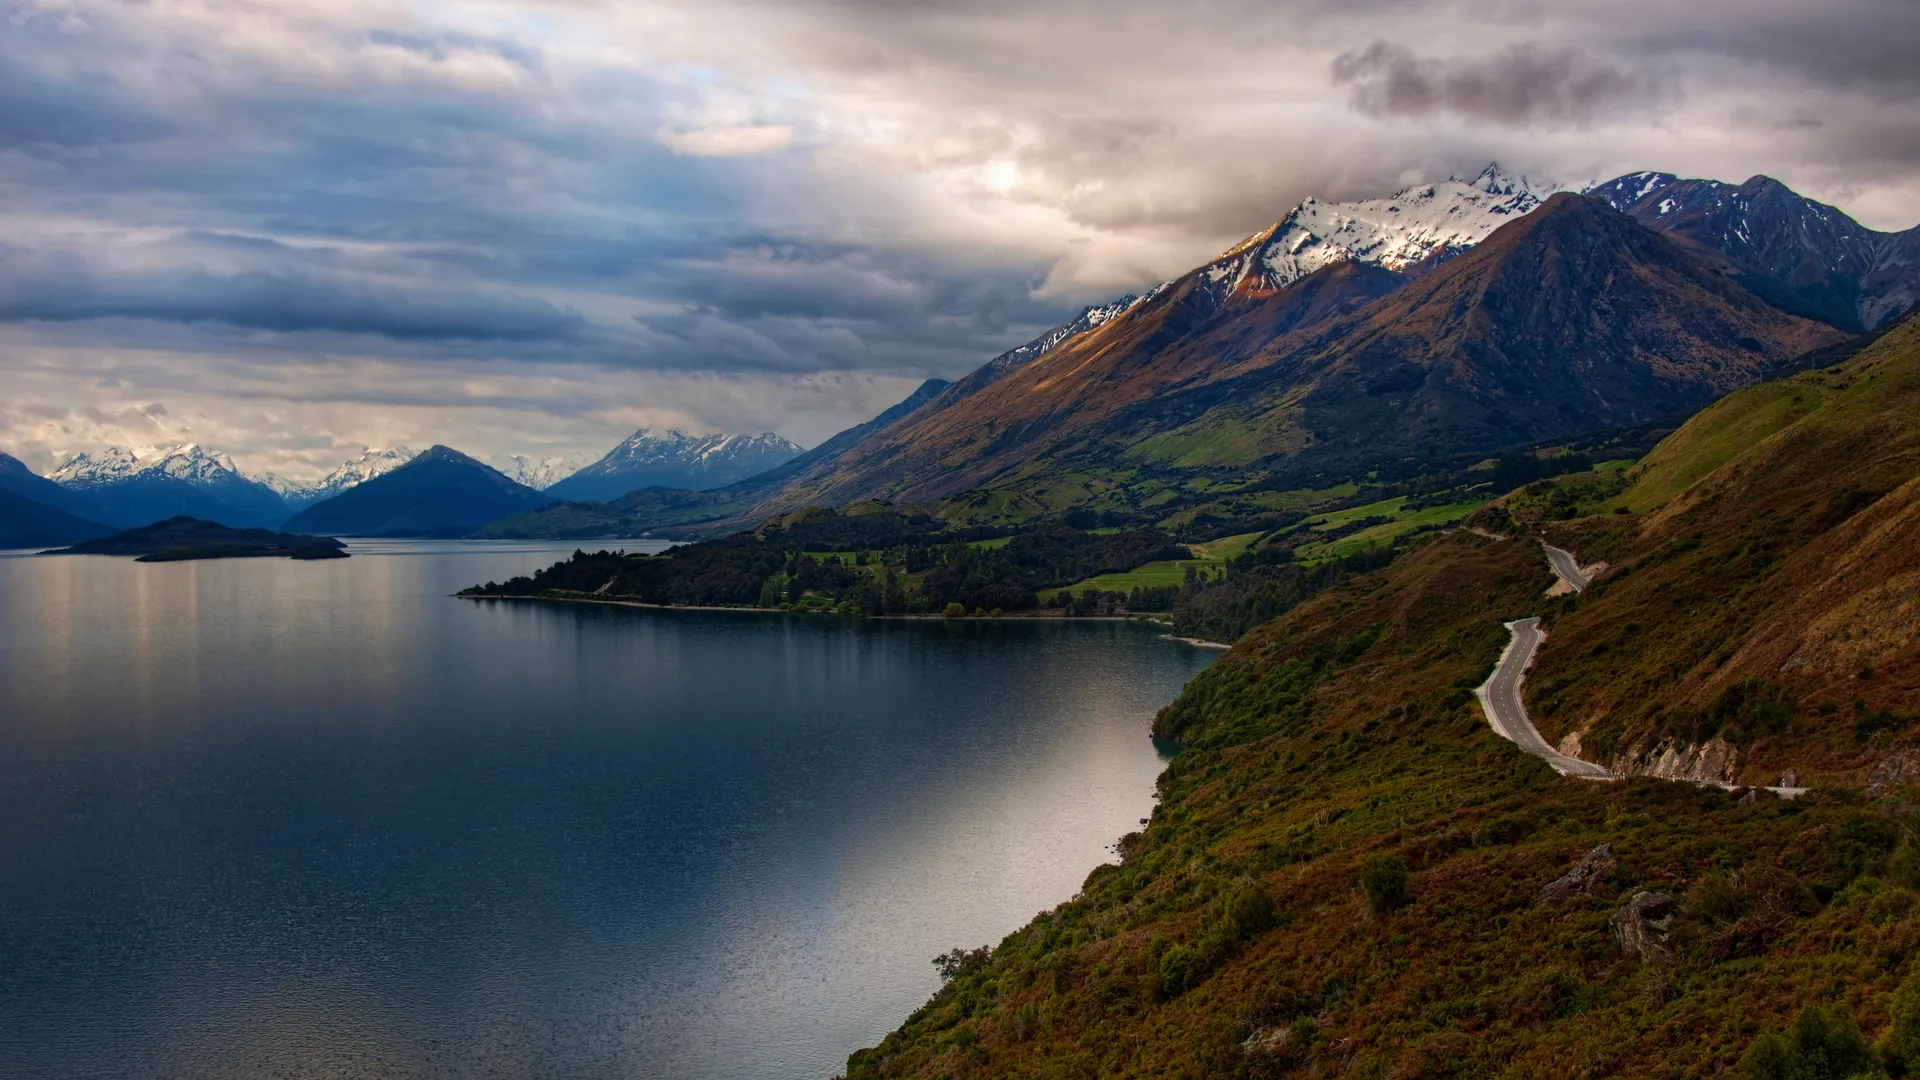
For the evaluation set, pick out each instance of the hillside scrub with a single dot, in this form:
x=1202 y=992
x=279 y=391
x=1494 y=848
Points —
x=1335 y=765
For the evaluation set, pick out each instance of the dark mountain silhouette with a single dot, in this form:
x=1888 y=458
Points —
x=440 y=492
x=26 y=523
x=17 y=479
x=183 y=538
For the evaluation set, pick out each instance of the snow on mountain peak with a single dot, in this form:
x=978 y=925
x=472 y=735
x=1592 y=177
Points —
x=376 y=461
x=1394 y=232
x=541 y=473
x=191 y=462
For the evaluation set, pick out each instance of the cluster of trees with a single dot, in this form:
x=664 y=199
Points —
x=871 y=560
x=1256 y=589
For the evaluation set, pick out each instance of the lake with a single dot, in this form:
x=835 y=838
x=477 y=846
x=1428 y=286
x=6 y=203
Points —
x=265 y=818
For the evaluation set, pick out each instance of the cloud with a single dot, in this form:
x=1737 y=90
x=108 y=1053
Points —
x=739 y=140
x=1522 y=84
x=522 y=225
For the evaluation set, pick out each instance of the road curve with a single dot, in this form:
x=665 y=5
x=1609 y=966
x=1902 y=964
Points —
x=1500 y=699
x=1567 y=567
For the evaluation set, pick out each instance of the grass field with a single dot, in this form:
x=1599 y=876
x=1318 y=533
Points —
x=1212 y=555
x=1404 y=521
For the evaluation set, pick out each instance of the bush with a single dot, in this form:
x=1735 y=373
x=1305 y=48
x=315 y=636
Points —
x=1176 y=967
x=1819 y=1046
x=1250 y=912
x=955 y=610
x=1384 y=880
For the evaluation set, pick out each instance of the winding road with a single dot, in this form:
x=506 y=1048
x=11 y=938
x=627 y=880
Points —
x=1568 y=567
x=1500 y=699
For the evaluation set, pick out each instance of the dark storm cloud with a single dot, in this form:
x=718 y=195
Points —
x=1522 y=84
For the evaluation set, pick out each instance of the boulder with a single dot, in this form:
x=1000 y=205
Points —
x=1641 y=926
x=1587 y=878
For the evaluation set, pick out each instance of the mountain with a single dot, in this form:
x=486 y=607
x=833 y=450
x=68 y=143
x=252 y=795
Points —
x=19 y=480
x=542 y=473
x=675 y=460
x=26 y=523
x=375 y=462
x=440 y=492
x=1571 y=319
x=141 y=485
x=1421 y=224
x=1349 y=873
x=1804 y=256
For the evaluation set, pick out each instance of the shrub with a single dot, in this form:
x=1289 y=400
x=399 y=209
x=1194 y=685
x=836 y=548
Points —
x=1384 y=880
x=1819 y=1046
x=955 y=610
x=1250 y=912
x=1176 y=967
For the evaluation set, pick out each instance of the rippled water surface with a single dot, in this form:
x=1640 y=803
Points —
x=263 y=818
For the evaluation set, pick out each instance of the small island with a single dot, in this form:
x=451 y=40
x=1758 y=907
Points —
x=182 y=538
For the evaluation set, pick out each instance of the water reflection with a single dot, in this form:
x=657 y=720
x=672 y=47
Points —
x=318 y=819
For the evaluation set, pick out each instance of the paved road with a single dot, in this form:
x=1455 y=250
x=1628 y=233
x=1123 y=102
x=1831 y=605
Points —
x=1500 y=698
x=1565 y=565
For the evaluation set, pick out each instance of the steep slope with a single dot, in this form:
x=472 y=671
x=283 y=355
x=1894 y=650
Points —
x=1569 y=320
x=25 y=523
x=376 y=461
x=440 y=492
x=1347 y=874
x=675 y=460
x=17 y=479
x=141 y=485
x=1804 y=256
x=1763 y=613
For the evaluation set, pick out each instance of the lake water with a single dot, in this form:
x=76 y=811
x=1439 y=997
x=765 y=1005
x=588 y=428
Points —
x=271 y=819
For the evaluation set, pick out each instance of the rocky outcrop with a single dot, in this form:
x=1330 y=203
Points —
x=1715 y=761
x=1641 y=927
x=1587 y=878
x=1901 y=768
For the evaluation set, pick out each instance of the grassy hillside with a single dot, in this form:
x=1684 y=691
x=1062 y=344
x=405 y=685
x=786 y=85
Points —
x=1765 y=591
x=1348 y=873
x=1342 y=878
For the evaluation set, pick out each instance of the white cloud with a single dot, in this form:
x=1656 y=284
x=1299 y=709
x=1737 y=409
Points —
x=738 y=140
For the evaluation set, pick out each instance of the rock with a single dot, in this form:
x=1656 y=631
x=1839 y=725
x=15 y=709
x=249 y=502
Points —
x=1752 y=796
x=1641 y=926
x=1587 y=877
x=1898 y=769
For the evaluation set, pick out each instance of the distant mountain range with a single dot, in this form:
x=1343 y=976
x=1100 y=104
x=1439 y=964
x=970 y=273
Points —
x=676 y=460
x=131 y=486
x=441 y=492
x=375 y=462
x=1387 y=339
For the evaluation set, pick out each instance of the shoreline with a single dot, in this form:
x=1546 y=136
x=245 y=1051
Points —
x=1146 y=619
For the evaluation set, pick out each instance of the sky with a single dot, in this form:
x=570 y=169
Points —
x=295 y=230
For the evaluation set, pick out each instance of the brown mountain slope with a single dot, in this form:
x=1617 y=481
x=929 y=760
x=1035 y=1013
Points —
x=1765 y=602
x=1184 y=333
x=1570 y=320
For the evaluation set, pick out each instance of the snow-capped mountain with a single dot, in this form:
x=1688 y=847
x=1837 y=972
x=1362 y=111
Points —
x=541 y=473
x=677 y=460
x=191 y=462
x=141 y=485
x=377 y=461
x=1397 y=232
x=1799 y=254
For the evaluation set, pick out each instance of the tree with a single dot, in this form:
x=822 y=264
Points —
x=956 y=610
x=1384 y=880
x=1819 y=1046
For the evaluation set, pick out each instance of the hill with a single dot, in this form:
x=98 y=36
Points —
x=1348 y=874
x=183 y=539
x=25 y=523
x=441 y=492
